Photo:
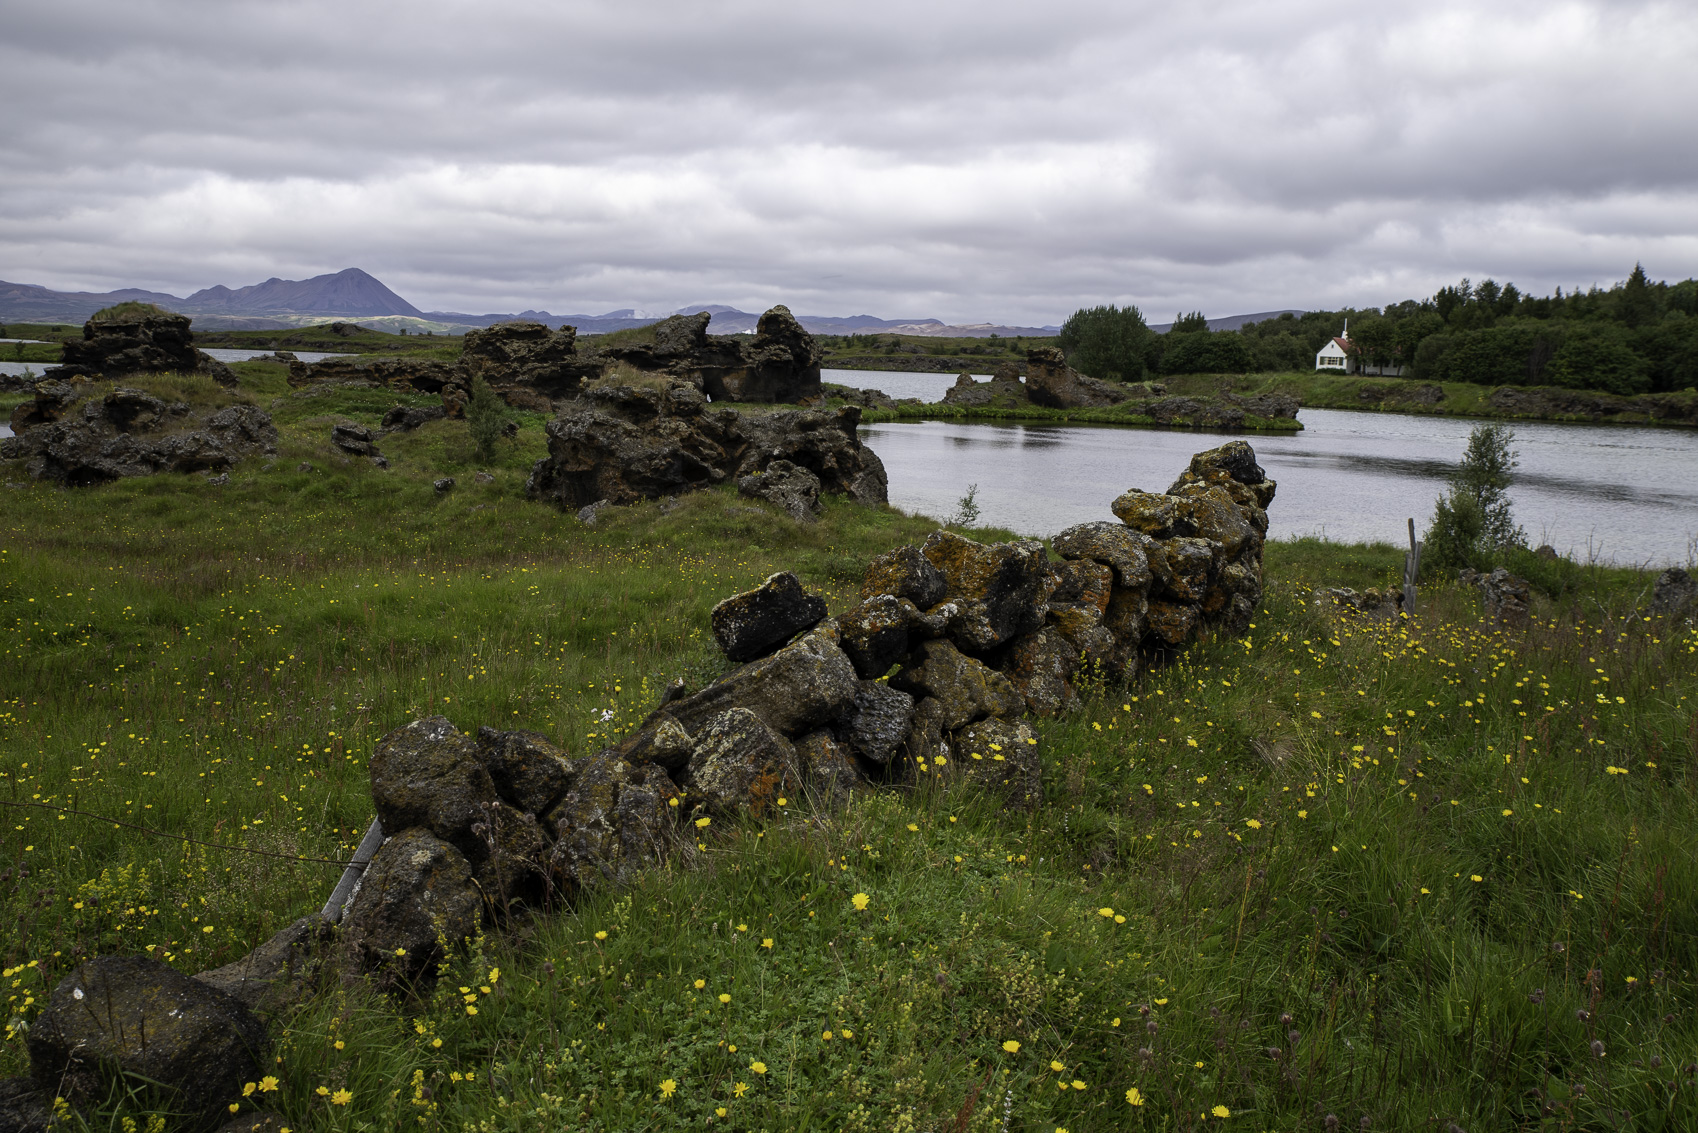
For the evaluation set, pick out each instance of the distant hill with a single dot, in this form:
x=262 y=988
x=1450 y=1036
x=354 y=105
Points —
x=357 y=296
x=1231 y=322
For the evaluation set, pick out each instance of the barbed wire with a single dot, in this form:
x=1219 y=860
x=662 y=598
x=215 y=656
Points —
x=177 y=837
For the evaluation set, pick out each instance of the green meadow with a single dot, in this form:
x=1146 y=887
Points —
x=1402 y=875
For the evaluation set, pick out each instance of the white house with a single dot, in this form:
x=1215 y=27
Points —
x=1336 y=355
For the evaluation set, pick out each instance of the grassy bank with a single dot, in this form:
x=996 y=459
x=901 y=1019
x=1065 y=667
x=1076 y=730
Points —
x=1411 y=873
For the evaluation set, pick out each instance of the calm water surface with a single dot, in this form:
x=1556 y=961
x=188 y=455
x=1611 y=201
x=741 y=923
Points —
x=1629 y=495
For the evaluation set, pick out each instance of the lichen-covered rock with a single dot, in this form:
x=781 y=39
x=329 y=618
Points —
x=1152 y=513
x=825 y=443
x=964 y=688
x=790 y=486
x=416 y=901
x=529 y=772
x=23 y=1106
x=526 y=357
x=1675 y=594
x=279 y=974
x=1190 y=567
x=661 y=740
x=1172 y=622
x=874 y=634
x=876 y=725
x=616 y=819
x=116 y=1019
x=926 y=749
x=1112 y=544
x=427 y=773
x=756 y=622
x=1375 y=602
x=1001 y=756
x=1051 y=381
x=1233 y=468
x=353 y=439
x=1041 y=665
x=807 y=683
x=128 y=432
x=904 y=573
x=511 y=869
x=830 y=774
x=1000 y=590
x=1126 y=620
x=740 y=766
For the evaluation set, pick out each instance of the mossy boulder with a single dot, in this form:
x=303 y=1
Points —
x=428 y=774
x=416 y=901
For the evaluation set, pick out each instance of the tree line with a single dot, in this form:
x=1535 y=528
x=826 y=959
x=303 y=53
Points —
x=1635 y=337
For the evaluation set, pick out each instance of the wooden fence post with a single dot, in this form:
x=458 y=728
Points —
x=1411 y=571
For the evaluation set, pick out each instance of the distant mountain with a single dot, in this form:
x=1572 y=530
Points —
x=1231 y=322
x=357 y=296
x=349 y=293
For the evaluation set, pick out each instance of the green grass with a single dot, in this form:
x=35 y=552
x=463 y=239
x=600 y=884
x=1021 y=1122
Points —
x=1290 y=824
x=357 y=340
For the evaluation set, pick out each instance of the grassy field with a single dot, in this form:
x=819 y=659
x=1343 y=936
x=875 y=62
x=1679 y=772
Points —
x=1405 y=875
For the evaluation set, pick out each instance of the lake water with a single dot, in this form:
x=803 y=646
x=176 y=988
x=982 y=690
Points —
x=1623 y=494
x=898 y=384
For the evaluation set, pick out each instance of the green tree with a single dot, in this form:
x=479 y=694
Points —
x=1473 y=523
x=1106 y=342
x=1207 y=352
x=1193 y=323
x=1637 y=305
x=486 y=415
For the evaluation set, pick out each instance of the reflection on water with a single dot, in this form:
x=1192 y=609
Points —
x=1625 y=494
x=897 y=383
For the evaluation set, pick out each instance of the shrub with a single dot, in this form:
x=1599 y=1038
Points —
x=485 y=415
x=1473 y=523
x=127 y=310
x=1106 y=342
x=1206 y=352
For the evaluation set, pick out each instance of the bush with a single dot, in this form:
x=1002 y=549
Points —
x=486 y=414
x=127 y=310
x=1106 y=342
x=1473 y=524
x=1206 y=352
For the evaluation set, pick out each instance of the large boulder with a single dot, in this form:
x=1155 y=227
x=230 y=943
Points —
x=790 y=486
x=781 y=363
x=528 y=356
x=740 y=766
x=1005 y=390
x=806 y=684
x=999 y=590
x=1051 y=381
x=617 y=818
x=1112 y=544
x=279 y=974
x=24 y=1106
x=875 y=633
x=1001 y=756
x=128 y=432
x=905 y=573
x=827 y=444
x=428 y=774
x=964 y=688
x=416 y=901
x=878 y=722
x=830 y=773
x=756 y=622
x=124 y=345
x=527 y=770
x=117 y=1020
x=1041 y=665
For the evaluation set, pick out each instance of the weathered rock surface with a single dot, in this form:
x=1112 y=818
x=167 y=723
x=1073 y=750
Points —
x=1374 y=601
x=790 y=486
x=877 y=723
x=356 y=440
x=416 y=901
x=1002 y=756
x=1052 y=382
x=795 y=690
x=428 y=774
x=128 y=432
x=999 y=590
x=23 y=1106
x=279 y=974
x=131 y=1016
x=1041 y=665
x=964 y=688
x=526 y=768
x=875 y=633
x=830 y=774
x=1675 y=594
x=524 y=356
x=405 y=375
x=616 y=819
x=1505 y=596
x=406 y=418
x=1004 y=390
x=905 y=573
x=740 y=766
x=145 y=344
x=756 y=622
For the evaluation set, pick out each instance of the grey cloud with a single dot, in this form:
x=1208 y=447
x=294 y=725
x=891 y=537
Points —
x=969 y=161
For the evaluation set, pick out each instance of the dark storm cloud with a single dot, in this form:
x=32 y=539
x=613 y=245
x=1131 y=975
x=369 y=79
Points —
x=969 y=161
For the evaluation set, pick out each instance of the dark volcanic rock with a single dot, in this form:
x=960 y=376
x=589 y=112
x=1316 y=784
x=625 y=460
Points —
x=1041 y=665
x=427 y=773
x=874 y=634
x=740 y=766
x=1112 y=544
x=624 y=444
x=127 y=432
x=1051 y=381
x=965 y=689
x=404 y=374
x=280 y=973
x=146 y=344
x=999 y=590
x=617 y=818
x=1675 y=594
x=130 y=1016
x=23 y=1106
x=353 y=439
x=406 y=418
x=781 y=363
x=876 y=725
x=528 y=770
x=758 y=621
x=1003 y=390
x=905 y=573
x=527 y=357
x=790 y=486
x=416 y=900
x=829 y=771
x=804 y=685
x=1001 y=756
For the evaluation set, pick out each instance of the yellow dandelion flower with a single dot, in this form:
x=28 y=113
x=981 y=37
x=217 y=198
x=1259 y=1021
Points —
x=1105 y=911
x=1134 y=1096
x=341 y=1097
x=758 y=1067
x=1056 y=1066
x=1011 y=1046
x=267 y=1084
x=1220 y=1110
x=1252 y=823
x=703 y=822
x=668 y=1087
x=724 y=997
x=860 y=901
x=700 y=984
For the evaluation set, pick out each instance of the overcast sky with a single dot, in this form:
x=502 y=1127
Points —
x=983 y=161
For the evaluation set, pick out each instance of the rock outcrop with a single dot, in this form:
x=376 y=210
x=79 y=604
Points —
x=1005 y=390
x=1506 y=597
x=529 y=358
x=126 y=345
x=72 y=438
x=1051 y=381
x=624 y=444
x=127 y=1018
